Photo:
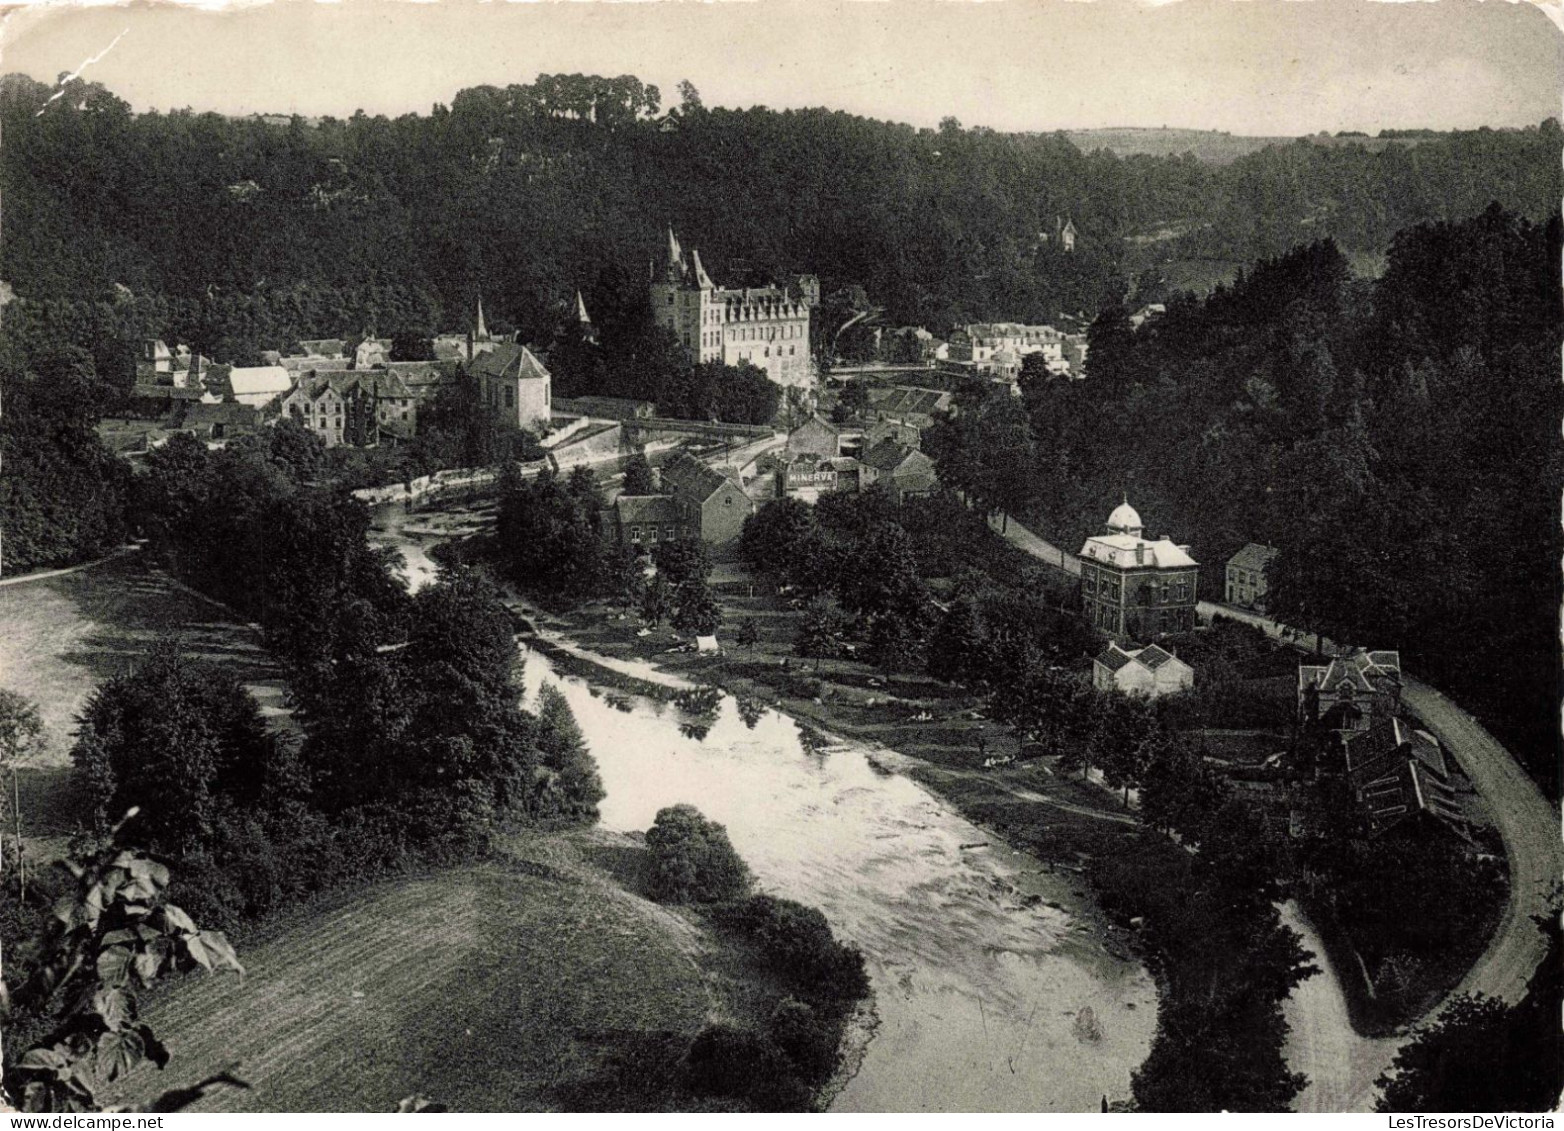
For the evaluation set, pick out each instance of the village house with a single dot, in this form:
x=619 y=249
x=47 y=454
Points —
x=902 y=433
x=359 y=409
x=423 y=379
x=1346 y=694
x=255 y=385
x=1151 y=671
x=1134 y=587
x=910 y=404
x=371 y=352
x=717 y=505
x=1246 y=583
x=905 y=472
x=816 y=437
x=645 y=520
x=218 y=423
x=765 y=326
x=160 y=367
x=1397 y=773
x=515 y=386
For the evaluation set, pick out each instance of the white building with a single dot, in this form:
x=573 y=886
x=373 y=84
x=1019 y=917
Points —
x=1149 y=671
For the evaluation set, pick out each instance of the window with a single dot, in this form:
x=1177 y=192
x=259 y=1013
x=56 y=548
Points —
x=510 y=397
x=635 y=534
x=668 y=534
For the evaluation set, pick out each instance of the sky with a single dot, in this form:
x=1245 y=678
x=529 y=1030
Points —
x=1263 y=67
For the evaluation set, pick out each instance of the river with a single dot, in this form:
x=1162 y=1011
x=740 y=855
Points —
x=982 y=961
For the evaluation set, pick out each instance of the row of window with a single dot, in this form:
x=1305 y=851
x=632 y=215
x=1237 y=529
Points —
x=670 y=533
x=1104 y=587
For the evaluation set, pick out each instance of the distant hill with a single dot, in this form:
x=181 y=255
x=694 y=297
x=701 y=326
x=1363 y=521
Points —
x=1215 y=146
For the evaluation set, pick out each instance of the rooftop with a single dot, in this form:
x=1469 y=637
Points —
x=1130 y=551
x=1254 y=556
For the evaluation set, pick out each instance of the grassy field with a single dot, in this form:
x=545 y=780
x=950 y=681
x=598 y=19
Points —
x=510 y=986
x=61 y=636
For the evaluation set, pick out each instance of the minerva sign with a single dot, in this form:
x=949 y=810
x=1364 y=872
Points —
x=822 y=477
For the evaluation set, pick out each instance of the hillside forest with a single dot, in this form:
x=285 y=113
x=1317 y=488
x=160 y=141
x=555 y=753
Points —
x=235 y=235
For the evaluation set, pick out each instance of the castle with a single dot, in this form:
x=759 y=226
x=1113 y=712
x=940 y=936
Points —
x=765 y=326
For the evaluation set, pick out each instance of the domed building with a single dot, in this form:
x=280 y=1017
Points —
x=1134 y=587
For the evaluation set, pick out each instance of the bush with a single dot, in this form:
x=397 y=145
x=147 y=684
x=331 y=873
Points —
x=692 y=859
x=809 y=1040
x=725 y=1061
x=798 y=941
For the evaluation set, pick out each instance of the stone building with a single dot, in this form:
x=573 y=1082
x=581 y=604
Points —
x=645 y=520
x=1246 y=584
x=515 y=385
x=765 y=326
x=359 y=409
x=1134 y=587
x=817 y=437
x=1348 y=692
x=716 y=504
x=903 y=471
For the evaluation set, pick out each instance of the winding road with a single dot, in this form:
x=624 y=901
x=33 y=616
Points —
x=1341 y=1065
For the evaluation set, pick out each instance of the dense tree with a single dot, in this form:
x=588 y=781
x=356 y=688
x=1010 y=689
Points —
x=548 y=537
x=638 y=476
x=181 y=739
x=692 y=859
x=1481 y=1055
x=569 y=780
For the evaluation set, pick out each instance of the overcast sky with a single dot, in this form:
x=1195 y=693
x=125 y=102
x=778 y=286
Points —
x=1248 y=66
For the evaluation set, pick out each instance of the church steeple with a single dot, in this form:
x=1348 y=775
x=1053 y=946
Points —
x=482 y=333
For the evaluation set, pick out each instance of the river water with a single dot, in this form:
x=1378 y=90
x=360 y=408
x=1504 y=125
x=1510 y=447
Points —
x=983 y=963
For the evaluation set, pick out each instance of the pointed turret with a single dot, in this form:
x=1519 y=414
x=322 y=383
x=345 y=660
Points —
x=702 y=280
x=675 y=269
x=588 y=331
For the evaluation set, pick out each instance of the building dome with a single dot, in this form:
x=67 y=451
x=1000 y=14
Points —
x=1124 y=520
